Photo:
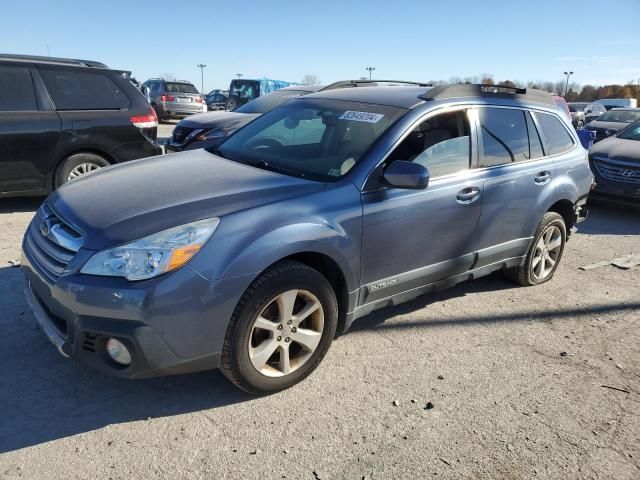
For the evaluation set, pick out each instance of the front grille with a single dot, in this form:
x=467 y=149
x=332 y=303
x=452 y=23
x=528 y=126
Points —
x=617 y=170
x=180 y=134
x=51 y=243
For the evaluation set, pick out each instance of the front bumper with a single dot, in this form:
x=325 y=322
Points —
x=172 y=324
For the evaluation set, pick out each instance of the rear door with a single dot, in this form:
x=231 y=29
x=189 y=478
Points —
x=94 y=111
x=518 y=181
x=29 y=131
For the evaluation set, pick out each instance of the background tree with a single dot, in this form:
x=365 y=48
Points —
x=167 y=76
x=310 y=79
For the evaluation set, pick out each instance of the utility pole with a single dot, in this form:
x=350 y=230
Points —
x=201 y=66
x=566 y=88
x=370 y=69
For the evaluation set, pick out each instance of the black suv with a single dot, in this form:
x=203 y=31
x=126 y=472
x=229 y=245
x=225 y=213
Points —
x=63 y=118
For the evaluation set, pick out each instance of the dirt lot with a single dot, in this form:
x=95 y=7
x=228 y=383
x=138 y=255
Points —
x=507 y=403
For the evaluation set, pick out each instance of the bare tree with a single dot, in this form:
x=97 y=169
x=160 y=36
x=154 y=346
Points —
x=310 y=79
x=167 y=76
x=487 y=79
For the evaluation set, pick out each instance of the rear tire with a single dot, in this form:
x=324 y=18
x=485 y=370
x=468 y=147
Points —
x=78 y=165
x=544 y=254
x=268 y=347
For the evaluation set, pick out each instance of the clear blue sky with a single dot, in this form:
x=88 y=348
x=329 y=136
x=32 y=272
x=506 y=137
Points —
x=422 y=40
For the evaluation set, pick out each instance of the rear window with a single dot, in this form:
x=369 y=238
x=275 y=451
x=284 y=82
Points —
x=621 y=116
x=556 y=139
x=174 y=87
x=16 y=90
x=71 y=90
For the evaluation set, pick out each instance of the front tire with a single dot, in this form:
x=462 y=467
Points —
x=281 y=329
x=544 y=254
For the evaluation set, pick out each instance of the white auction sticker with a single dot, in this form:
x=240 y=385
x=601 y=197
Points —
x=361 y=116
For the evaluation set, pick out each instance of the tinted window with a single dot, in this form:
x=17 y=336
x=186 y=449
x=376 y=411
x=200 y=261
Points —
x=16 y=90
x=556 y=138
x=174 y=87
x=632 y=132
x=621 y=116
x=440 y=143
x=535 y=145
x=504 y=136
x=83 y=91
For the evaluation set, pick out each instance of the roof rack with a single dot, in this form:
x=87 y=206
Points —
x=61 y=61
x=372 y=83
x=491 y=91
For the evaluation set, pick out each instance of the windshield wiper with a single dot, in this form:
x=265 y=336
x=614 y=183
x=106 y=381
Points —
x=275 y=168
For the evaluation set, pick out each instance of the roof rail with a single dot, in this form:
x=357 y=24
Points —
x=57 y=60
x=371 y=83
x=492 y=91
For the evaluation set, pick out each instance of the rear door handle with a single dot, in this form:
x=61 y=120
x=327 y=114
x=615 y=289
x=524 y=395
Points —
x=543 y=177
x=468 y=195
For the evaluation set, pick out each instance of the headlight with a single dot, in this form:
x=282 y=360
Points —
x=153 y=255
x=212 y=135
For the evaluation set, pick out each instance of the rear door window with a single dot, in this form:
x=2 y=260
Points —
x=555 y=136
x=504 y=136
x=77 y=90
x=16 y=90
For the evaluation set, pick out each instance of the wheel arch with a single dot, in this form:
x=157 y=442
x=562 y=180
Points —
x=564 y=208
x=95 y=151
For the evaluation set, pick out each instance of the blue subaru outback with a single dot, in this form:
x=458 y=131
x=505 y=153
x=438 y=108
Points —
x=252 y=257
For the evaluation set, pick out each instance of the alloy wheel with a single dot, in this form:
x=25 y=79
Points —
x=82 y=170
x=547 y=252
x=286 y=333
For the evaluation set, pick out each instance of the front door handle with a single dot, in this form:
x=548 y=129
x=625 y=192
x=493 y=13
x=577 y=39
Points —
x=543 y=177
x=468 y=195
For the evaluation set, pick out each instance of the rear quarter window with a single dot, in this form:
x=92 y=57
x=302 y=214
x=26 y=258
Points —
x=16 y=90
x=555 y=137
x=71 y=90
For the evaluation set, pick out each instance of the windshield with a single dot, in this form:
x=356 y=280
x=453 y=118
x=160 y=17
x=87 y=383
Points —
x=317 y=139
x=245 y=89
x=620 y=116
x=180 y=87
x=632 y=132
x=577 y=107
x=270 y=101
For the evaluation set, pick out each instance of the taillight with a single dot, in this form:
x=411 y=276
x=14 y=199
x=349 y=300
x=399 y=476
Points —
x=149 y=120
x=199 y=99
x=167 y=98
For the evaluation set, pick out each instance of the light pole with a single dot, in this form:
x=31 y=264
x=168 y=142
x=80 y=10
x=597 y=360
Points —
x=239 y=75
x=201 y=66
x=566 y=87
x=370 y=69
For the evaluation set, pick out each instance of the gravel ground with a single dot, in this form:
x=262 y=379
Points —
x=486 y=356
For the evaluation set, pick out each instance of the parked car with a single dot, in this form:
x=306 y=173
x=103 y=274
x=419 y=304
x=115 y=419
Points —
x=592 y=111
x=576 y=110
x=243 y=90
x=615 y=162
x=173 y=98
x=63 y=118
x=614 y=120
x=212 y=128
x=610 y=103
x=216 y=101
x=251 y=257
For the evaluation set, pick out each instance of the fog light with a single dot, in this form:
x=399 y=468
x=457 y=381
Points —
x=118 y=352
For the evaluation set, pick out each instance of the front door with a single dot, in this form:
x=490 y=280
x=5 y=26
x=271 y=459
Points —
x=412 y=238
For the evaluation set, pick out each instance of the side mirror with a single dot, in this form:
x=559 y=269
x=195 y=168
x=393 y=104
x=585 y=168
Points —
x=402 y=174
x=611 y=131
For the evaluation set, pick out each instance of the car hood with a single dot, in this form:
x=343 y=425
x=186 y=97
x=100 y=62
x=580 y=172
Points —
x=606 y=125
x=222 y=120
x=126 y=202
x=617 y=149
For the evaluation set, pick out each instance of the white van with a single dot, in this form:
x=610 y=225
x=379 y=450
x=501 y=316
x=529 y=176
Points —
x=610 y=103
